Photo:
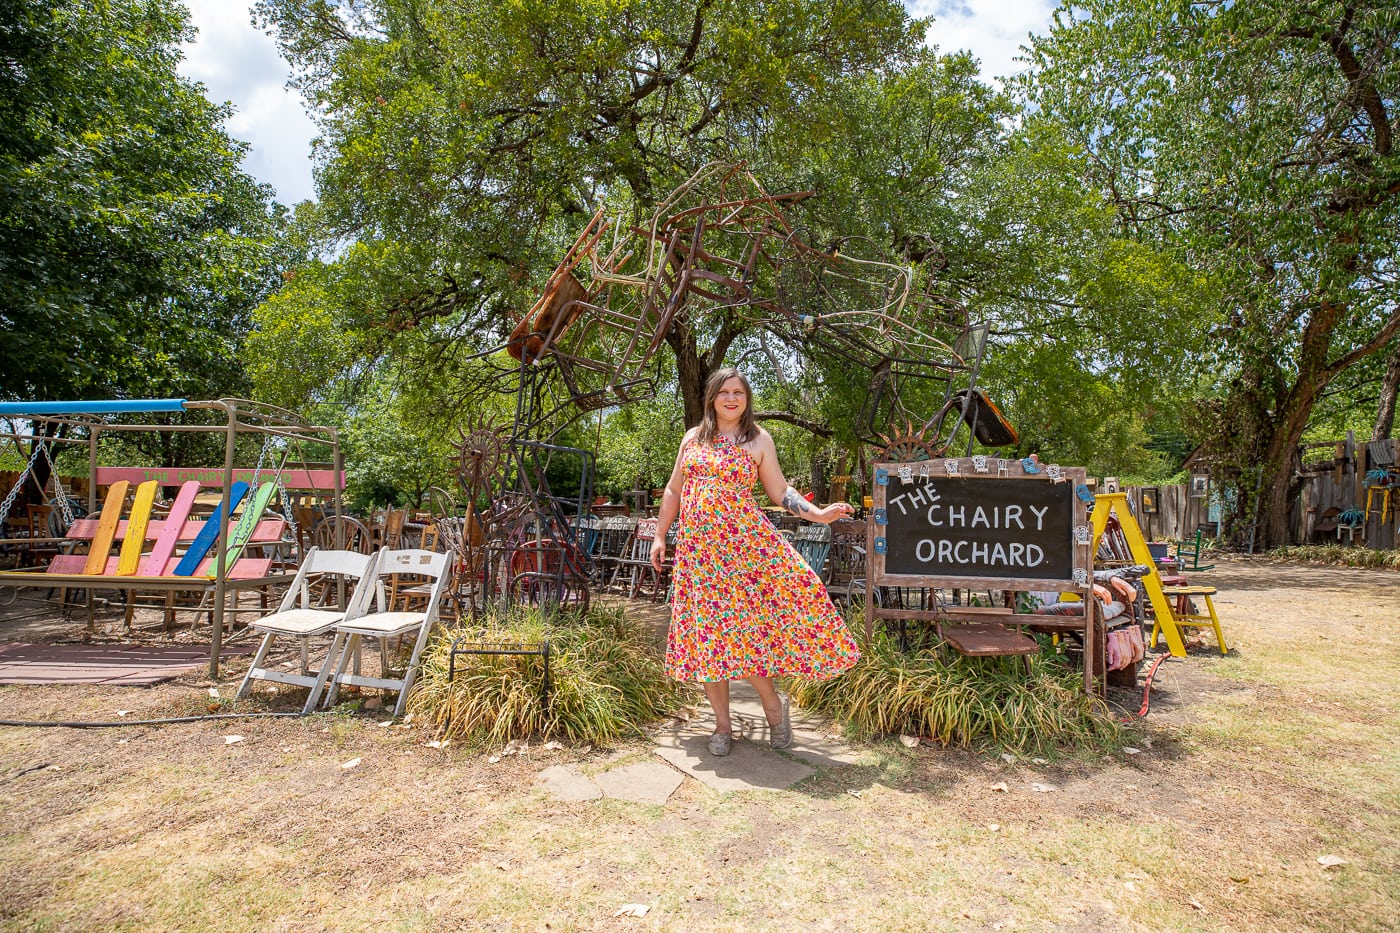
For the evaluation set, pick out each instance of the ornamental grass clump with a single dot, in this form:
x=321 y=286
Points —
x=606 y=680
x=1339 y=555
x=978 y=703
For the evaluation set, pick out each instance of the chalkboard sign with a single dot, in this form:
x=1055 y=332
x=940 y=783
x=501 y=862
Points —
x=973 y=522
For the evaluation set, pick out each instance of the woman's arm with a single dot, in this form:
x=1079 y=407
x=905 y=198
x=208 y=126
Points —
x=770 y=474
x=670 y=504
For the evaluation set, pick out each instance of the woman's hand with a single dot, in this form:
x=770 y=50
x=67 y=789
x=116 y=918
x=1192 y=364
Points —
x=830 y=513
x=658 y=552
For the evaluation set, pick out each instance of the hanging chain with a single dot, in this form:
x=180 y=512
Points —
x=262 y=455
x=282 y=491
x=64 y=506
x=19 y=484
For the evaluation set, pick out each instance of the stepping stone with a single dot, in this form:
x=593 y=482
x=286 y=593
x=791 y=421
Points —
x=748 y=766
x=566 y=784
x=646 y=782
x=812 y=740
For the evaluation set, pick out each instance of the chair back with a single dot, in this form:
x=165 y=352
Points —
x=354 y=535
x=813 y=542
x=414 y=561
x=586 y=532
x=642 y=538
x=613 y=534
x=318 y=562
x=394 y=520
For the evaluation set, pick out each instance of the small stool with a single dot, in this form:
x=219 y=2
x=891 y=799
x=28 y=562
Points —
x=1384 y=491
x=1183 y=616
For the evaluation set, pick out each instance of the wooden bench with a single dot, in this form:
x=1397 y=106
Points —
x=101 y=535
x=117 y=557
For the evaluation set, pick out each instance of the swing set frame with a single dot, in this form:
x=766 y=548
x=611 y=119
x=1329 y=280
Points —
x=83 y=422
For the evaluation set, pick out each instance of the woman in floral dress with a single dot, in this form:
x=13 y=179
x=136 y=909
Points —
x=745 y=605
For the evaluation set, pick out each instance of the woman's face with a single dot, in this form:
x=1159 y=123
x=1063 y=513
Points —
x=731 y=400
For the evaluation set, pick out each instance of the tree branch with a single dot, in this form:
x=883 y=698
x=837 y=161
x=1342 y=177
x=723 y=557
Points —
x=1381 y=338
x=805 y=424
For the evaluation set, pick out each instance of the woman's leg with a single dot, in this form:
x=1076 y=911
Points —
x=768 y=696
x=717 y=692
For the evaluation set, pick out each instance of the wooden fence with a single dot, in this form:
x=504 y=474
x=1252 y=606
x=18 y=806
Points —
x=1178 y=513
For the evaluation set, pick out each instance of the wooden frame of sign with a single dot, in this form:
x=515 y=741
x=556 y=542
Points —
x=982 y=523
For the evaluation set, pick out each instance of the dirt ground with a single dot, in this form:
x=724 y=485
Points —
x=1248 y=770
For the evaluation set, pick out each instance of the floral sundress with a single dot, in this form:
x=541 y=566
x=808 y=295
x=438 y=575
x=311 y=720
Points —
x=745 y=603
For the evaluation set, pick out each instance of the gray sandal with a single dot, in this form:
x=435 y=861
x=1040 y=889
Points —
x=720 y=743
x=780 y=735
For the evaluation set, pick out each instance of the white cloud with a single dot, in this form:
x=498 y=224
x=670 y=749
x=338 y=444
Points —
x=238 y=63
x=993 y=31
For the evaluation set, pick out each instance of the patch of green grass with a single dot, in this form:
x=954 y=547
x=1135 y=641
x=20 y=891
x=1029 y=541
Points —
x=978 y=703
x=606 y=680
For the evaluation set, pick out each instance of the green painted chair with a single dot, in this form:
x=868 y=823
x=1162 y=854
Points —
x=1189 y=553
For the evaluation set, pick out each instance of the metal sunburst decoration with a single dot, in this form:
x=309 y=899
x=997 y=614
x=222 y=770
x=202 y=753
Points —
x=907 y=446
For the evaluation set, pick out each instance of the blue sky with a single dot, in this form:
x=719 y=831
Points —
x=238 y=63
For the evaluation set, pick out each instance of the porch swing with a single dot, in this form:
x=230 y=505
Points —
x=212 y=562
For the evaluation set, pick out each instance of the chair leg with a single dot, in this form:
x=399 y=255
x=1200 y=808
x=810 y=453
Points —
x=351 y=647
x=334 y=655
x=257 y=660
x=1215 y=623
x=411 y=673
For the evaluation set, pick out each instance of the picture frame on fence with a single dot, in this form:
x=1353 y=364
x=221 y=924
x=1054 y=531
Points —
x=1110 y=484
x=1200 y=485
x=1149 y=496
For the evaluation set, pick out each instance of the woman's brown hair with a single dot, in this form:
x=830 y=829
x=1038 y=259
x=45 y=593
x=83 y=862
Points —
x=748 y=428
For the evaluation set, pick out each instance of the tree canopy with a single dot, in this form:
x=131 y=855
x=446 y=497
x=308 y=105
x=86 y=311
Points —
x=466 y=144
x=133 y=247
x=1255 y=143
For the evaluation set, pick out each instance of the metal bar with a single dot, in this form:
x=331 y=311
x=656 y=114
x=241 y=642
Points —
x=93 y=407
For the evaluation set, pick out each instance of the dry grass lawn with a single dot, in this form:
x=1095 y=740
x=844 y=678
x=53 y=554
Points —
x=1250 y=768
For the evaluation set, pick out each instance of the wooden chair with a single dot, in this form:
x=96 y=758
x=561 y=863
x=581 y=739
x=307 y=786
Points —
x=636 y=564
x=1189 y=554
x=846 y=561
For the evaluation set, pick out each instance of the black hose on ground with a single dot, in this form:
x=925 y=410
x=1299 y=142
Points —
x=79 y=724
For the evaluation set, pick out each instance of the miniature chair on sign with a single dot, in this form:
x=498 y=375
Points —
x=297 y=617
x=386 y=624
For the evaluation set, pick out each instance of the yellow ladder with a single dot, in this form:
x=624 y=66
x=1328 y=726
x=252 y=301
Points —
x=1117 y=503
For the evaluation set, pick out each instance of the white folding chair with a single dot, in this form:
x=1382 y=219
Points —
x=297 y=618
x=385 y=623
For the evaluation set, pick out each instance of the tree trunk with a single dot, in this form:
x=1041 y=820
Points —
x=1277 y=479
x=693 y=368
x=691 y=373
x=1385 y=410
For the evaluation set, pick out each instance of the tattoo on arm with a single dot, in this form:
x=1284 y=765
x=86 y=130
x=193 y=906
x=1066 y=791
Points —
x=795 y=503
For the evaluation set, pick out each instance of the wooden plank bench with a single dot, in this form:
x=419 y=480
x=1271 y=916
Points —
x=91 y=533
x=117 y=557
